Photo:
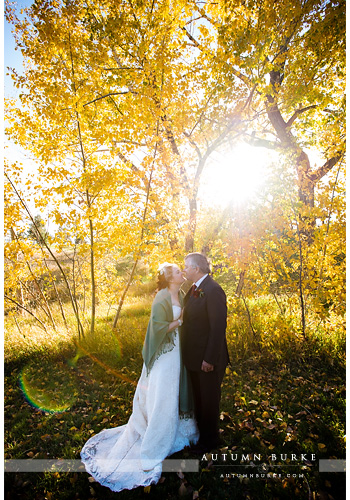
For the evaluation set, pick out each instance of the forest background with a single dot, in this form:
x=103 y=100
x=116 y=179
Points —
x=141 y=119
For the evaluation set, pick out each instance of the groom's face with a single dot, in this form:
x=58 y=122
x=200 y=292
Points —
x=190 y=271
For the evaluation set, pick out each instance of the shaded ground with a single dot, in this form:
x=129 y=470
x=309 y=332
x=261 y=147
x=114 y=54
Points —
x=268 y=408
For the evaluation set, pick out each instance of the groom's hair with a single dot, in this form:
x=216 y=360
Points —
x=199 y=260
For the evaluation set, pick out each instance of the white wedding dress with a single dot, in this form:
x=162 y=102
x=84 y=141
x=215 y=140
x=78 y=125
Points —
x=131 y=455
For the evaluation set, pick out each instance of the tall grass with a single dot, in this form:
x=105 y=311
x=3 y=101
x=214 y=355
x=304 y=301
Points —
x=24 y=338
x=272 y=332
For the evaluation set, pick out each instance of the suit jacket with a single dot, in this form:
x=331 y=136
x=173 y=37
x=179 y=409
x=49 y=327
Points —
x=203 y=333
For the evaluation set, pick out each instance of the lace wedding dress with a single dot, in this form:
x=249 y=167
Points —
x=131 y=455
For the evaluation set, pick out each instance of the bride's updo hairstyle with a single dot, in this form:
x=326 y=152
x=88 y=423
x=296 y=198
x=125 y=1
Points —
x=165 y=273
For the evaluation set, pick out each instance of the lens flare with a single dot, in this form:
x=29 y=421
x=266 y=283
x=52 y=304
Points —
x=106 y=367
x=49 y=386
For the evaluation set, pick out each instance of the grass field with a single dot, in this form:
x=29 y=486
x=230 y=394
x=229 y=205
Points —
x=274 y=401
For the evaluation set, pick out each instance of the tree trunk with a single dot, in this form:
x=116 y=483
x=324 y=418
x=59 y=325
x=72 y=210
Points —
x=121 y=301
x=93 y=282
x=189 y=242
x=301 y=284
x=305 y=184
x=142 y=234
x=74 y=305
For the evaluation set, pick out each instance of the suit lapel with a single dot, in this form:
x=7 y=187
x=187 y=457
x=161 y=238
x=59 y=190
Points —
x=187 y=296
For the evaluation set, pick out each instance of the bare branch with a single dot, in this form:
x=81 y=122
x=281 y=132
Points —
x=27 y=310
x=139 y=144
x=194 y=20
x=133 y=167
x=74 y=305
x=204 y=14
x=193 y=40
x=200 y=116
x=107 y=95
x=122 y=68
x=144 y=218
x=237 y=73
x=128 y=162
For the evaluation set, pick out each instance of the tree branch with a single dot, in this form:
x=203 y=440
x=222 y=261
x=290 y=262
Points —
x=322 y=171
x=133 y=167
x=278 y=122
x=193 y=40
x=194 y=145
x=298 y=112
x=261 y=143
x=238 y=74
x=27 y=310
x=107 y=95
x=121 y=68
x=74 y=305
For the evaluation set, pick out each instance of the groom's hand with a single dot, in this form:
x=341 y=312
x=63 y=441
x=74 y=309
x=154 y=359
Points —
x=207 y=367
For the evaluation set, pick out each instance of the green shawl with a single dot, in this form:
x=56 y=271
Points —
x=159 y=341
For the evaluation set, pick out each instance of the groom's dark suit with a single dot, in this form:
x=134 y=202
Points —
x=203 y=338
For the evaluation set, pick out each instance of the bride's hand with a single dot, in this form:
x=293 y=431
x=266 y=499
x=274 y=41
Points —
x=181 y=315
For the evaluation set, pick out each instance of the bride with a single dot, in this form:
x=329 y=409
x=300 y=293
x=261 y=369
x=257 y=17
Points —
x=161 y=422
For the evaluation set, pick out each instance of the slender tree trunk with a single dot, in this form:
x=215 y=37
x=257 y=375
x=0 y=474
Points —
x=324 y=252
x=126 y=289
x=27 y=310
x=20 y=331
x=189 y=242
x=19 y=290
x=84 y=286
x=34 y=299
x=88 y=201
x=301 y=294
x=79 y=325
x=250 y=322
x=20 y=297
x=121 y=302
x=41 y=293
x=58 y=300
x=300 y=282
x=93 y=283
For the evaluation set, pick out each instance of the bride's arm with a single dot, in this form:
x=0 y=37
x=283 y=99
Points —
x=176 y=323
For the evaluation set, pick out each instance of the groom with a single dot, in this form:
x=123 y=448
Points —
x=204 y=347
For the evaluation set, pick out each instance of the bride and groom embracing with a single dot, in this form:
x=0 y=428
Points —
x=176 y=402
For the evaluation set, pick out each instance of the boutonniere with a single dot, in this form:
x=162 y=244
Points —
x=198 y=293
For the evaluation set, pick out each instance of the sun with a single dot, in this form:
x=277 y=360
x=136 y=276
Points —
x=237 y=176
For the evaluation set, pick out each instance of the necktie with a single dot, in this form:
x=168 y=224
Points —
x=193 y=289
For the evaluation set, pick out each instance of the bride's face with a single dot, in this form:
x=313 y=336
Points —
x=177 y=276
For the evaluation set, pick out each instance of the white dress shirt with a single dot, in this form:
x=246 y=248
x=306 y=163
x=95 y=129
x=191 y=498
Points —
x=197 y=283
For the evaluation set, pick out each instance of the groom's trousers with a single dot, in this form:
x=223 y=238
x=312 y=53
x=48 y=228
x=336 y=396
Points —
x=207 y=393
